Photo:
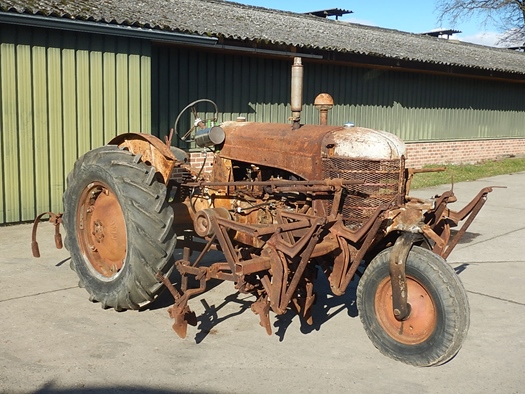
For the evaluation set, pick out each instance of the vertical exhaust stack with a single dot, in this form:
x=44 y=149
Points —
x=297 y=92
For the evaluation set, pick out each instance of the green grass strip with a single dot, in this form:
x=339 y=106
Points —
x=467 y=172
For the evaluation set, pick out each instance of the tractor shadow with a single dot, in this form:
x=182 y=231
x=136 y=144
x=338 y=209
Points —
x=210 y=319
x=460 y=268
x=467 y=238
x=62 y=262
x=326 y=306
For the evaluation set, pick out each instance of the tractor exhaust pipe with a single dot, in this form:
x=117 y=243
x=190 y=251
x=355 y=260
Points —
x=297 y=92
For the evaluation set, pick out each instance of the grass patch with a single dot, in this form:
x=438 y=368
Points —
x=468 y=172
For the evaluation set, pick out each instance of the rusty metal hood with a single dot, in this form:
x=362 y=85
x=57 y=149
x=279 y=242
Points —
x=363 y=143
x=301 y=151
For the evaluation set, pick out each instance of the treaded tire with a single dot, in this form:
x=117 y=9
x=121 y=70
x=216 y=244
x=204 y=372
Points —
x=122 y=275
x=439 y=320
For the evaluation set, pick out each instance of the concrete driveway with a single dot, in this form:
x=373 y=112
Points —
x=53 y=340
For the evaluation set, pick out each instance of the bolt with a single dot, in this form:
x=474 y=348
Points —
x=397 y=312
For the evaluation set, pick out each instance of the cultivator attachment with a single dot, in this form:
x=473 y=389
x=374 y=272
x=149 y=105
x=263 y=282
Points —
x=56 y=220
x=276 y=277
x=440 y=220
x=278 y=272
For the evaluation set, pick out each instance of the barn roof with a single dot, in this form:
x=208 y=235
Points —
x=217 y=18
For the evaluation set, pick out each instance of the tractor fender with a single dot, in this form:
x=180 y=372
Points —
x=151 y=149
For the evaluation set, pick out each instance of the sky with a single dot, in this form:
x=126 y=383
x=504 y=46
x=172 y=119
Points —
x=411 y=16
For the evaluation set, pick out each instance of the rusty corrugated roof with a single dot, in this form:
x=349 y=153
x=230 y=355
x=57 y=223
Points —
x=241 y=22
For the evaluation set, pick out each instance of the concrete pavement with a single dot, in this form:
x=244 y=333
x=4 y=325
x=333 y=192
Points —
x=53 y=340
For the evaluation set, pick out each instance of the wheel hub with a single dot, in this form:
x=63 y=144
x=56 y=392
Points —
x=98 y=232
x=102 y=229
x=420 y=323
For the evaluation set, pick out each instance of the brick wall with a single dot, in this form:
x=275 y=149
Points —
x=420 y=154
x=196 y=161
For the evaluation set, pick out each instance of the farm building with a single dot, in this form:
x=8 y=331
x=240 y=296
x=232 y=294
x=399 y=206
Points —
x=73 y=74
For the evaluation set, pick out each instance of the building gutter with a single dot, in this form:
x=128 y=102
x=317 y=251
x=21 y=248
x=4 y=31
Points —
x=103 y=28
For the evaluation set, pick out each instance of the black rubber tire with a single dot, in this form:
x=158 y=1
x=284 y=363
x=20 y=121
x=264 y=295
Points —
x=149 y=235
x=444 y=290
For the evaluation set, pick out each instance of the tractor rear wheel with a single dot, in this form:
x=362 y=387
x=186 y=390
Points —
x=119 y=227
x=439 y=311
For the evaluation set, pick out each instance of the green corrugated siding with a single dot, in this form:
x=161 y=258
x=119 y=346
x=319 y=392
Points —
x=62 y=94
x=416 y=107
x=420 y=107
x=256 y=88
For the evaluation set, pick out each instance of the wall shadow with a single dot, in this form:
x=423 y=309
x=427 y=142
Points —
x=50 y=388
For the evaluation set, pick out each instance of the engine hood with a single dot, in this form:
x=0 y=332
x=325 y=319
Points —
x=301 y=151
x=363 y=143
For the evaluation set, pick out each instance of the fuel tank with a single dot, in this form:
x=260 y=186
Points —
x=304 y=150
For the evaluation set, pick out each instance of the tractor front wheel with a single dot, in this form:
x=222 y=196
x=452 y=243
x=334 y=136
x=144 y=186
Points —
x=439 y=311
x=118 y=226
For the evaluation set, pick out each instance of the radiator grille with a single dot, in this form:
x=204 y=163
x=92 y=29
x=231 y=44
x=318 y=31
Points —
x=382 y=183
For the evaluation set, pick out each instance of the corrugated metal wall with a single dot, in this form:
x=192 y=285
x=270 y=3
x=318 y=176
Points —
x=62 y=94
x=257 y=88
x=417 y=107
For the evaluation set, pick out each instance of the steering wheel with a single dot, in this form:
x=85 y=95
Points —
x=190 y=105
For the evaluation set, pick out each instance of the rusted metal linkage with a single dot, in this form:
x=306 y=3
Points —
x=180 y=312
x=361 y=240
x=280 y=253
x=311 y=241
x=443 y=218
x=411 y=171
x=340 y=283
x=55 y=219
x=288 y=259
x=277 y=184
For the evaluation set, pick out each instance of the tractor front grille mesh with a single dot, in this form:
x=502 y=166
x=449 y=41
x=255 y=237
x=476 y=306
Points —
x=381 y=184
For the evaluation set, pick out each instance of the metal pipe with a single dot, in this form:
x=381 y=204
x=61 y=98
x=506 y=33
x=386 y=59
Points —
x=297 y=92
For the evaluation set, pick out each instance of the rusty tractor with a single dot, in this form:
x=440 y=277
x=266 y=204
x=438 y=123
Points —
x=283 y=203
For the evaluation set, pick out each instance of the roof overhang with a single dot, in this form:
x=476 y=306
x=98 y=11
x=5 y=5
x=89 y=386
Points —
x=104 y=28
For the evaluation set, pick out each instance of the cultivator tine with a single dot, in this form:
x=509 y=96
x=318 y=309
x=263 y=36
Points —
x=261 y=307
x=55 y=219
x=181 y=313
x=182 y=316
x=307 y=309
x=303 y=307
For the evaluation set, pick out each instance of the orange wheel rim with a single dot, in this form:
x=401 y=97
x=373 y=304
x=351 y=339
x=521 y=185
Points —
x=101 y=229
x=422 y=320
